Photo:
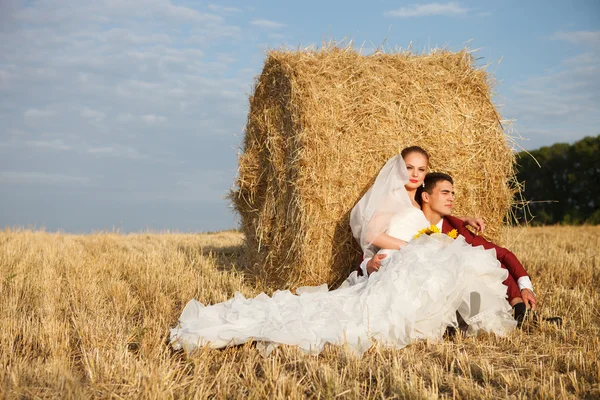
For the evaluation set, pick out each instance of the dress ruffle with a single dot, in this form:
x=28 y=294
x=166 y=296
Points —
x=415 y=295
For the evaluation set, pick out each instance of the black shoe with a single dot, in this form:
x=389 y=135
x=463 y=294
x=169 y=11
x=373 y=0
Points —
x=462 y=325
x=554 y=321
x=450 y=332
x=462 y=328
x=519 y=311
x=551 y=320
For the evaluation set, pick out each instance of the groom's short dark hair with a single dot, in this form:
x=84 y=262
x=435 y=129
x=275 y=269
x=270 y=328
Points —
x=431 y=179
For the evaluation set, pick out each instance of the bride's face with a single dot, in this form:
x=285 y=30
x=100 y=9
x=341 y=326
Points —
x=416 y=164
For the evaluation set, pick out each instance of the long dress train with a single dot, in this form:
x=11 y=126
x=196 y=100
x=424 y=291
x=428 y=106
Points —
x=415 y=295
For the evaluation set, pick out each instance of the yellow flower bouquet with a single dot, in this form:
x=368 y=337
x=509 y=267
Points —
x=430 y=230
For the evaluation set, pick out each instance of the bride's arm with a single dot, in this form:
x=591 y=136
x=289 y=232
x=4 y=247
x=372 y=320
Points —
x=385 y=241
x=476 y=223
x=376 y=233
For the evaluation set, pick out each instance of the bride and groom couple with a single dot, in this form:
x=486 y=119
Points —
x=406 y=289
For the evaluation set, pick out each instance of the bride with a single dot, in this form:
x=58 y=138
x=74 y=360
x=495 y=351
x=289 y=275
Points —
x=416 y=294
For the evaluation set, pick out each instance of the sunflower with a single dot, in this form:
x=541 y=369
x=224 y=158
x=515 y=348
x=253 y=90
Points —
x=430 y=230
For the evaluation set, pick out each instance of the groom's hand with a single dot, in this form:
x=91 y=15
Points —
x=528 y=298
x=476 y=223
x=374 y=263
x=479 y=224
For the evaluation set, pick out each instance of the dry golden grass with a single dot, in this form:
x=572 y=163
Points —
x=88 y=316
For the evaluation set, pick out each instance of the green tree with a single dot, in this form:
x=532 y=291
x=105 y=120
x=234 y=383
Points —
x=565 y=186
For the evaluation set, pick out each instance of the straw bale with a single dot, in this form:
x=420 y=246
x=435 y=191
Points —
x=323 y=122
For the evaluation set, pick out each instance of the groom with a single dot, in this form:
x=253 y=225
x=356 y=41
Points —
x=436 y=198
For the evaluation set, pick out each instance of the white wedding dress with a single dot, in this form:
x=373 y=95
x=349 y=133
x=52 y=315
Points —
x=415 y=295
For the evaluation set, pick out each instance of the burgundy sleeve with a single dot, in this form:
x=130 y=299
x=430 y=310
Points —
x=505 y=256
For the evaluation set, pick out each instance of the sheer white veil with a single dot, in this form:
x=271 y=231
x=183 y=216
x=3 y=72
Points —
x=372 y=214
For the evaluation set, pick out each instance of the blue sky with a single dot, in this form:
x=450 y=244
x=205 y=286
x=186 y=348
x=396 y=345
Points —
x=129 y=114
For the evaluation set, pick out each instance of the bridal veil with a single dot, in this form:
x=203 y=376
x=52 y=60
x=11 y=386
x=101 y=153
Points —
x=387 y=197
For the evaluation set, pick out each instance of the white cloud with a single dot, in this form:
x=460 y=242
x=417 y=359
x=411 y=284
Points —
x=561 y=104
x=121 y=72
x=7 y=10
x=148 y=119
x=226 y=58
x=207 y=36
x=83 y=77
x=88 y=113
x=177 y=92
x=267 y=24
x=7 y=74
x=125 y=117
x=277 y=36
x=102 y=150
x=184 y=188
x=125 y=36
x=40 y=178
x=138 y=85
x=38 y=113
x=151 y=119
x=117 y=151
x=224 y=10
x=591 y=38
x=183 y=13
x=430 y=9
x=111 y=10
x=55 y=144
x=582 y=59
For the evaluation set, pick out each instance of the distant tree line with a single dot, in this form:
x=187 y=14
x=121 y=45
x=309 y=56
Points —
x=565 y=187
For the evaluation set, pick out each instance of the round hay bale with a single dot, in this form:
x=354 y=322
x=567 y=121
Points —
x=323 y=122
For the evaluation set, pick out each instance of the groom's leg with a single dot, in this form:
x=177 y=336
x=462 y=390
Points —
x=513 y=293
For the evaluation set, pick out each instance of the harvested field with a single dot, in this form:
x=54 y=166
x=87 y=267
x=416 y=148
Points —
x=88 y=316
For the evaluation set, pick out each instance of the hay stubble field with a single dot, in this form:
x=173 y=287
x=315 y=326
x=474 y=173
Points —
x=88 y=316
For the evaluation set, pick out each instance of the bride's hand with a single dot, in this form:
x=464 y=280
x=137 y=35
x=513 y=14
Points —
x=374 y=263
x=476 y=223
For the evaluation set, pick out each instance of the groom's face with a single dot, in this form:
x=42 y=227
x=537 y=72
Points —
x=441 y=198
